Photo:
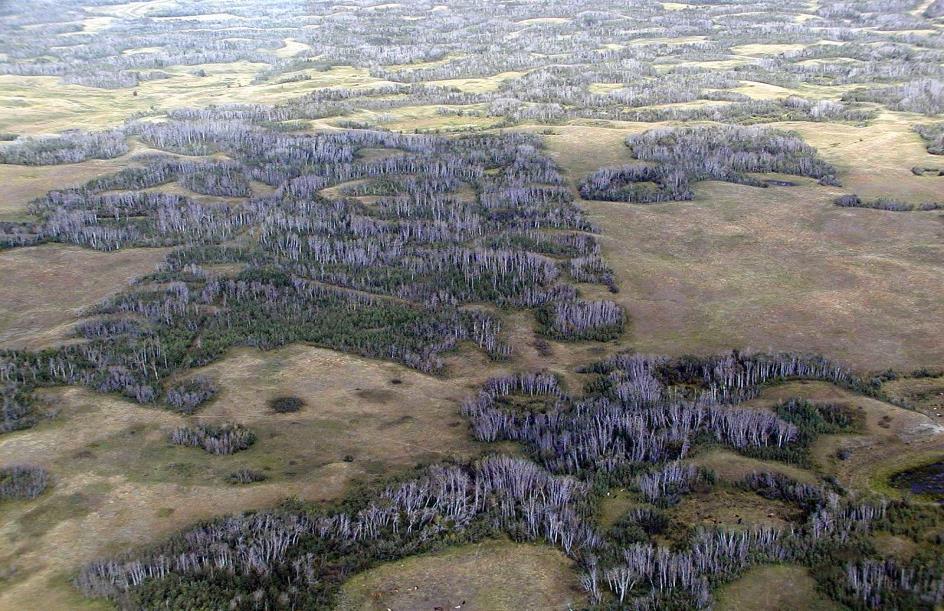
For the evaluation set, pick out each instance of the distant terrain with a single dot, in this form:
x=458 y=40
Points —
x=473 y=305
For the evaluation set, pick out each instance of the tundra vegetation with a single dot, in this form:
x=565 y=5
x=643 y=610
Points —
x=420 y=184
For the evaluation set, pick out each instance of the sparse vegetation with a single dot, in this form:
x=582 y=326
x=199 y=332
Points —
x=246 y=476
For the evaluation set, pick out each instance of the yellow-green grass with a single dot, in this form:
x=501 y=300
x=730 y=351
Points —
x=615 y=505
x=40 y=104
x=765 y=49
x=22 y=184
x=773 y=588
x=46 y=288
x=484 y=84
x=732 y=467
x=727 y=507
x=424 y=118
x=485 y=576
x=876 y=160
x=292 y=48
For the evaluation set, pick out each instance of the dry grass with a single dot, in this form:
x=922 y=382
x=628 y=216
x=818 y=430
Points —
x=118 y=483
x=733 y=509
x=48 y=286
x=22 y=184
x=492 y=575
x=770 y=588
x=772 y=269
x=764 y=49
x=41 y=104
x=731 y=467
x=876 y=160
x=381 y=414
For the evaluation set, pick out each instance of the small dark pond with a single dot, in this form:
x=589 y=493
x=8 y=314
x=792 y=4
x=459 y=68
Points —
x=928 y=480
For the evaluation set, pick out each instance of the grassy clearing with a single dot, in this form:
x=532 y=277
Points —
x=773 y=269
x=41 y=104
x=118 y=483
x=479 y=85
x=875 y=160
x=730 y=508
x=23 y=184
x=492 y=575
x=54 y=283
x=732 y=467
x=379 y=414
x=773 y=587
x=765 y=49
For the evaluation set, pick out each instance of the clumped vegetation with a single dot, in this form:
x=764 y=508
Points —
x=933 y=136
x=299 y=217
x=386 y=280
x=69 y=147
x=884 y=203
x=925 y=96
x=636 y=431
x=246 y=476
x=227 y=438
x=286 y=405
x=672 y=159
x=22 y=482
x=190 y=394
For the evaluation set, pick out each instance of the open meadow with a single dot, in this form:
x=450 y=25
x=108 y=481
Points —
x=468 y=305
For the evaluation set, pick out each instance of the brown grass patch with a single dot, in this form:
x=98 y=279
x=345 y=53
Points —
x=491 y=575
x=769 y=588
x=773 y=269
x=47 y=287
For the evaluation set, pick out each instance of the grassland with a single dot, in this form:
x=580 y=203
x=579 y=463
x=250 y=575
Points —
x=40 y=104
x=492 y=575
x=778 y=268
x=769 y=588
x=55 y=283
x=118 y=482
x=893 y=438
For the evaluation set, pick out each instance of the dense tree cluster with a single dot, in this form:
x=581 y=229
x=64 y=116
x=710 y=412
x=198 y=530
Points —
x=68 y=147
x=933 y=135
x=601 y=60
x=190 y=394
x=226 y=438
x=299 y=555
x=884 y=203
x=403 y=246
x=22 y=482
x=370 y=242
x=925 y=96
x=670 y=160
x=637 y=413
